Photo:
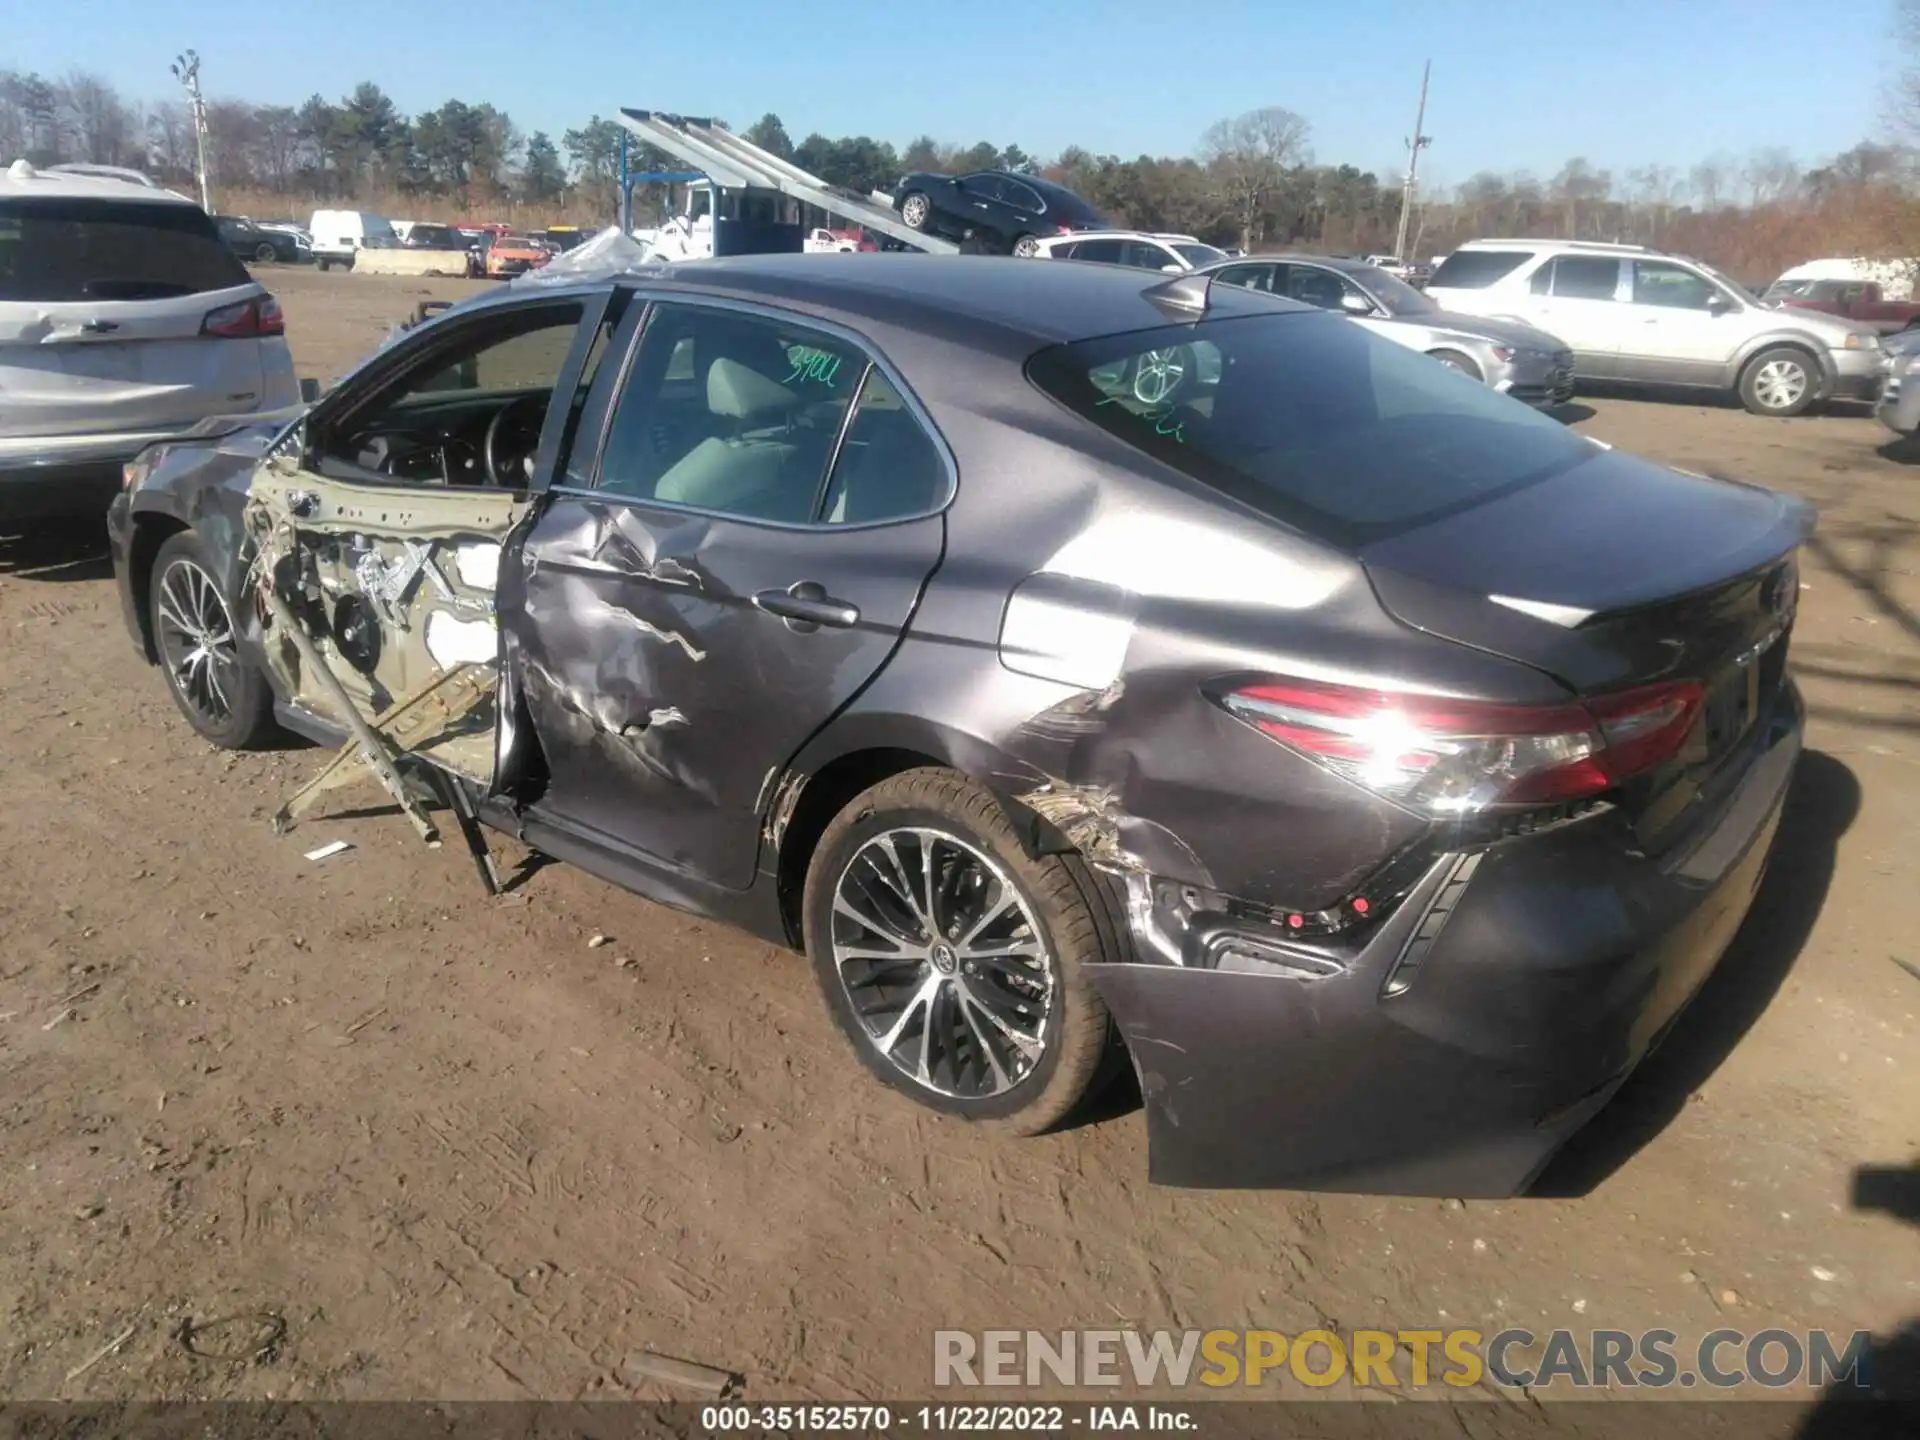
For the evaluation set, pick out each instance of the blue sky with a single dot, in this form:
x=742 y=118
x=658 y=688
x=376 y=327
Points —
x=1516 y=84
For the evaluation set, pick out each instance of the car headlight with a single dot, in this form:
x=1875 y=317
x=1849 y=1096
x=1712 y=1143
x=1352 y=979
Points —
x=1863 y=342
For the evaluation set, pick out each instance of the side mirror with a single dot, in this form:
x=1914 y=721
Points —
x=1173 y=269
x=1356 y=304
x=1718 y=304
x=309 y=390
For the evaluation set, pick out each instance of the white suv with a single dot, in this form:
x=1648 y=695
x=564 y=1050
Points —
x=1637 y=314
x=124 y=319
x=1139 y=248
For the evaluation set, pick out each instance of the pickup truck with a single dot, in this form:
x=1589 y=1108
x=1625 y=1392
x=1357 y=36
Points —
x=1858 y=300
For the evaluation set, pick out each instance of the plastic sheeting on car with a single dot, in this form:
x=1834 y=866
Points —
x=611 y=252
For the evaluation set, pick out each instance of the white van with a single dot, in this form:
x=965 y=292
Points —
x=337 y=234
x=1894 y=277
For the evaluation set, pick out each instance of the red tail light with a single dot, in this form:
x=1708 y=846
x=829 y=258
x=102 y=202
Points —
x=1454 y=756
x=246 y=320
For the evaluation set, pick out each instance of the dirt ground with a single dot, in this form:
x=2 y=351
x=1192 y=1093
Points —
x=408 y=1142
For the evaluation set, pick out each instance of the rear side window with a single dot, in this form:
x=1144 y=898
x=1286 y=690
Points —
x=888 y=467
x=1577 y=277
x=1105 y=252
x=1477 y=269
x=64 y=250
x=1310 y=420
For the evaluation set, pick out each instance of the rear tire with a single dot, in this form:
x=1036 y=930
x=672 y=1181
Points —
x=916 y=210
x=324 y=263
x=264 y=254
x=1026 y=246
x=215 y=686
x=1456 y=360
x=1781 y=382
x=980 y=924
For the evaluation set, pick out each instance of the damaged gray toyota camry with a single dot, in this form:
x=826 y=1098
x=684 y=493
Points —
x=1077 y=667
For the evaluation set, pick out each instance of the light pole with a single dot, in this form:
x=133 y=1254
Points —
x=1415 y=145
x=186 y=69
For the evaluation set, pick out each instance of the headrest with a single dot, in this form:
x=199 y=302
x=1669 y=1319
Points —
x=740 y=393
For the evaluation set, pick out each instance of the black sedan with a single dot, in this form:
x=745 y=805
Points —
x=259 y=245
x=1078 y=667
x=1003 y=211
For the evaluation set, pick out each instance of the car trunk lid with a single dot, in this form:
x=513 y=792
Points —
x=1613 y=574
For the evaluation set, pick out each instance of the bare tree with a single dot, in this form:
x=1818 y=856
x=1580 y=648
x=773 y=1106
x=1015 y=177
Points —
x=170 y=139
x=1709 y=182
x=1247 y=159
x=99 y=126
x=1579 y=184
x=1770 y=175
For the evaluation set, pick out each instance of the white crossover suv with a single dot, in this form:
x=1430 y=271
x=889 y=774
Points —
x=124 y=319
x=1637 y=314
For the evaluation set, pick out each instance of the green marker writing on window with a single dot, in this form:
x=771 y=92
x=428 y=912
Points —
x=819 y=366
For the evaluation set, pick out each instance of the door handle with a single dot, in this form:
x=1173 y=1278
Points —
x=100 y=327
x=806 y=606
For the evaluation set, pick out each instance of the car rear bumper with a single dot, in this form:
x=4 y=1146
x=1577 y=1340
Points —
x=1492 y=1015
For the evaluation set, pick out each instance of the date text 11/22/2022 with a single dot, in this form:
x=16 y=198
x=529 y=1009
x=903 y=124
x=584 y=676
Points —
x=942 y=1419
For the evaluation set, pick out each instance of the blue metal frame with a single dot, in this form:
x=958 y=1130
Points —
x=630 y=178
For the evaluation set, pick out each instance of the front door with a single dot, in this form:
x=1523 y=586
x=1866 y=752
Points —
x=379 y=526
x=736 y=563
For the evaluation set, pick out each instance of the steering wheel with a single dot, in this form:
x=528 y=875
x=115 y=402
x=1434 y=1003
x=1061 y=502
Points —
x=533 y=407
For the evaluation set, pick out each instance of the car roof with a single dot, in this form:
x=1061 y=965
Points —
x=1043 y=304
x=1073 y=235
x=1345 y=263
x=21 y=180
x=1597 y=247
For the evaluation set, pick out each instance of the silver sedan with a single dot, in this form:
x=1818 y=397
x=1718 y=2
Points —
x=1513 y=358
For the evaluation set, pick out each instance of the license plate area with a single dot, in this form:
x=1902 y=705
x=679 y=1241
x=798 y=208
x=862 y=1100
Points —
x=1735 y=700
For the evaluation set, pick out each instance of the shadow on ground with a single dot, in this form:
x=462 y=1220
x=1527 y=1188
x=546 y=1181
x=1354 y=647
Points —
x=1883 y=1397
x=1820 y=806
x=55 y=550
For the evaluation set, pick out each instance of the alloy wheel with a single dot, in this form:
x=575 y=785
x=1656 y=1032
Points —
x=914 y=212
x=1780 y=384
x=944 y=966
x=1026 y=247
x=195 y=636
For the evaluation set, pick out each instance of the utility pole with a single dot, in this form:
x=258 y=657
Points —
x=1415 y=145
x=186 y=69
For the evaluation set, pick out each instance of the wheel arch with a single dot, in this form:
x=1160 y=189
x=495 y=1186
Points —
x=1787 y=340
x=858 y=753
x=151 y=530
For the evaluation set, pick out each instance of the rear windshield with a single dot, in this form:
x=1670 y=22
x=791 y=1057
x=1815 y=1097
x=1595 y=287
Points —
x=1477 y=269
x=62 y=250
x=1310 y=419
x=1198 y=255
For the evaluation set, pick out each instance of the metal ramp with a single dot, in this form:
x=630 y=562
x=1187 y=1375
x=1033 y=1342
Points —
x=736 y=164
